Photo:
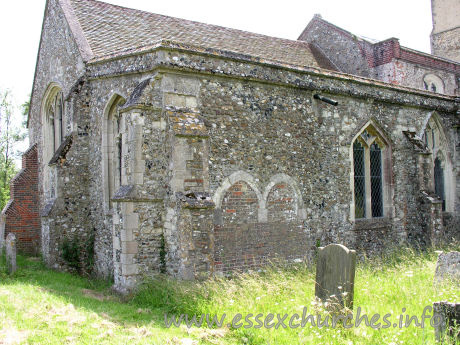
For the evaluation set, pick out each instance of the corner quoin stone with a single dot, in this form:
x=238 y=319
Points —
x=335 y=274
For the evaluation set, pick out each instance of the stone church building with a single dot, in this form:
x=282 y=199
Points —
x=167 y=145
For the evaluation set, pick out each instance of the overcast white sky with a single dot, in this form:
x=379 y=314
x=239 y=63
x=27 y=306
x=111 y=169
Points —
x=408 y=20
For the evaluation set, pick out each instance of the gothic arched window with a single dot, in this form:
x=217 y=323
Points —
x=441 y=166
x=52 y=136
x=54 y=117
x=369 y=164
x=439 y=181
x=112 y=144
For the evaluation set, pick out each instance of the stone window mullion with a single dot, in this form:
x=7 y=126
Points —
x=370 y=175
x=56 y=124
x=367 y=169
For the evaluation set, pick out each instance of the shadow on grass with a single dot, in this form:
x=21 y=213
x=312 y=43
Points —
x=153 y=299
x=87 y=294
x=162 y=295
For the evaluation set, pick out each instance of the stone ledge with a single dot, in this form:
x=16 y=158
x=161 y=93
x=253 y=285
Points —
x=371 y=224
x=129 y=193
x=430 y=198
x=195 y=200
x=419 y=145
x=60 y=154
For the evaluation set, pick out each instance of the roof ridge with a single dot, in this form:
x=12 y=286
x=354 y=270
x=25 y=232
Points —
x=113 y=30
x=190 y=21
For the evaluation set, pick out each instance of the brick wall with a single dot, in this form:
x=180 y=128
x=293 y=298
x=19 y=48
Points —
x=281 y=203
x=429 y=61
x=242 y=241
x=354 y=55
x=383 y=52
x=21 y=213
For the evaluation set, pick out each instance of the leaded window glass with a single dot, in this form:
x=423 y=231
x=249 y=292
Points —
x=439 y=182
x=360 y=180
x=368 y=167
x=376 y=180
x=113 y=150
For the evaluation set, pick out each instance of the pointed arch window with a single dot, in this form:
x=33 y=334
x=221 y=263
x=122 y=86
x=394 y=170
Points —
x=441 y=167
x=112 y=142
x=439 y=181
x=52 y=135
x=54 y=116
x=368 y=174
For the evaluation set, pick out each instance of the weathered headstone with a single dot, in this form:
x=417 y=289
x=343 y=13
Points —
x=2 y=234
x=446 y=318
x=448 y=267
x=335 y=274
x=11 y=253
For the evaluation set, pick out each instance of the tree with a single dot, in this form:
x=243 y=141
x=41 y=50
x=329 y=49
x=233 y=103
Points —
x=25 y=107
x=10 y=135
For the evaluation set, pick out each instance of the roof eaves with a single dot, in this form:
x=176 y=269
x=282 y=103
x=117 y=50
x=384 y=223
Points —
x=167 y=44
x=170 y=44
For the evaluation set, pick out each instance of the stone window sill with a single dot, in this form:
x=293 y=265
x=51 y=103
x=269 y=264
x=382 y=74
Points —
x=371 y=223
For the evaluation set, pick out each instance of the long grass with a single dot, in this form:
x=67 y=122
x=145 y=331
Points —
x=41 y=306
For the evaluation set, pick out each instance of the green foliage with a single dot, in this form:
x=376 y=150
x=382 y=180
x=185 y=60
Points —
x=162 y=254
x=89 y=252
x=25 y=108
x=7 y=172
x=71 y=252
x=53 y=307
x=78 y=253
x=10 y=135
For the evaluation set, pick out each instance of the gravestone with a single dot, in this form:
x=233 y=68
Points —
x=448 y=267
x=2 y=234
x=446 y=317
x=11 y=253
x=335 y=274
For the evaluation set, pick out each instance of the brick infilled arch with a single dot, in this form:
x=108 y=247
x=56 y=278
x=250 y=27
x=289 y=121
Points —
x=281 y=203
x=244 y=238
x=240 y=204
x=282 y=200
x=235 y=238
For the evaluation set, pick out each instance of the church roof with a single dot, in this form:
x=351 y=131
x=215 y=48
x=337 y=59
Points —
x=112 y=31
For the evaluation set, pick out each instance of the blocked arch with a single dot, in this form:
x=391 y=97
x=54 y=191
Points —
x=115 y=100
x=230 y=181
x=440 y=150
x=283 y=178
x=433 y=83
x=387 y=182
x=430 y=119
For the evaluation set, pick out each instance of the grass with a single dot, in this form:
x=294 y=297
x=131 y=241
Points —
x=41 y=306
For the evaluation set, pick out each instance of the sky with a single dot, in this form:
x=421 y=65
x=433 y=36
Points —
x=408 y=20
